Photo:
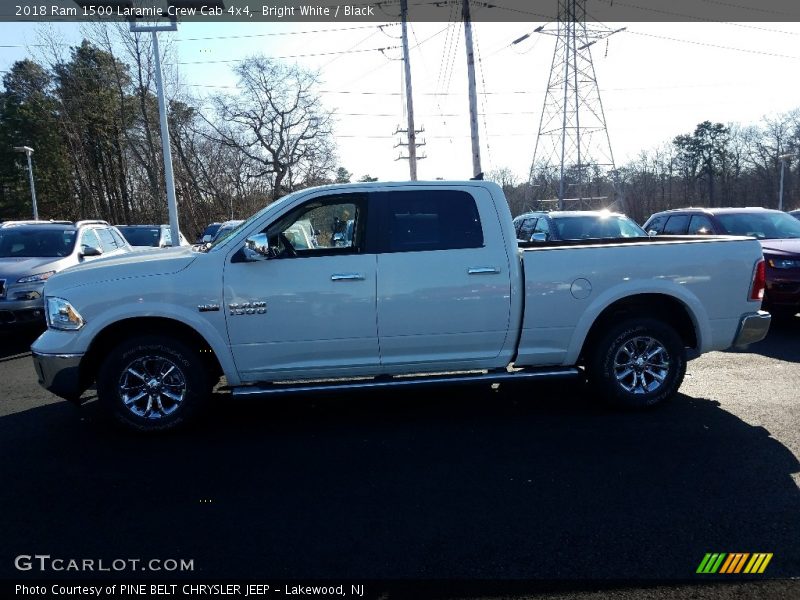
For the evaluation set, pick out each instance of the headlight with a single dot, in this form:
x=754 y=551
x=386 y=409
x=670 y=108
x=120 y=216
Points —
x=62 y=315
x=38 y=277
x=784 y=263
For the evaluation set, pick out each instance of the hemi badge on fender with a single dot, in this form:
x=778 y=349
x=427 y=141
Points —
x=208 y=307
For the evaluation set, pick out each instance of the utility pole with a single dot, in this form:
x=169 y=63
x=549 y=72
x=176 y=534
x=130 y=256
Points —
x=473 y=98
x=28 y=151
x=412 y=134
x=783 y=158
x=169 y=179
x=172 y=204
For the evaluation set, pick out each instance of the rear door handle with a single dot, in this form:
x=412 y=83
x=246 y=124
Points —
x=483 y=270
x=347 y=277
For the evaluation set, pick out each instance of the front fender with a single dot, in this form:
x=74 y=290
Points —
x=59 y=342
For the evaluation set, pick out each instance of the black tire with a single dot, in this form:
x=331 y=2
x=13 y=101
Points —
x=152 y=383
x=618 y=350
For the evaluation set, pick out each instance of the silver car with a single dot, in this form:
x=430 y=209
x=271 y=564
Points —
x=33 y=251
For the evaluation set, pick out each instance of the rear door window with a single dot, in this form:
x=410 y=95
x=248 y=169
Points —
x=700 y=225
x=430 y=220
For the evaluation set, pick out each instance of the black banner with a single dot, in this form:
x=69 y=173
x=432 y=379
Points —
x=251 y=11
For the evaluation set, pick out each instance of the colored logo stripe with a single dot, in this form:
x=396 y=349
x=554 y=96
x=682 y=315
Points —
x=734 y=562
x=710 y=563
x=758 y=563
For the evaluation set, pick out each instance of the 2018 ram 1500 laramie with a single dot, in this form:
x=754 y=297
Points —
x=365 y=284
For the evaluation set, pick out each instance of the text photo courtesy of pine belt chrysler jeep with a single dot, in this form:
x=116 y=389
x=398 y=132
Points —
x=432 y=287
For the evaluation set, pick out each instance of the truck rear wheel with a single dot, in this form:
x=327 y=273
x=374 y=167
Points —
x=152 y=383
x=637 y=363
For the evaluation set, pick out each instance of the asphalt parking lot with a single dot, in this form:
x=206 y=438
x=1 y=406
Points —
x=532 y=482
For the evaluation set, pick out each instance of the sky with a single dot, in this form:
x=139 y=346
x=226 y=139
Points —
x=657 y=80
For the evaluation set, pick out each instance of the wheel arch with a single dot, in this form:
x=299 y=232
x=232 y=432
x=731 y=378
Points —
x=106 y=338
x=660 y=306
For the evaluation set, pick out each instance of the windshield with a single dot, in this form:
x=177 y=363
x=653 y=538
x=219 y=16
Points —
x=29 y=242
x=141 y=236
x=577 y=227
x=761 y=225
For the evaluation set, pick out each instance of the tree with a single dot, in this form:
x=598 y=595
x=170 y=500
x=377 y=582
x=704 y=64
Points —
x=367 y=179
x=278 y=122
x=342 y=175
x=29 y=116
x=703 y=154
x=91 y=91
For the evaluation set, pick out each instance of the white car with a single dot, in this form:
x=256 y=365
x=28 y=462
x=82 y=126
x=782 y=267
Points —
x=433 y=281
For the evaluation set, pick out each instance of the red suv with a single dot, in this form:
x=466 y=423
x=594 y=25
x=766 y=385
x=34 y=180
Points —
x=778 y=233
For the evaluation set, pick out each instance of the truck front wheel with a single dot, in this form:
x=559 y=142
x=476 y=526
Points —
x=637 y=363
x=152 y=383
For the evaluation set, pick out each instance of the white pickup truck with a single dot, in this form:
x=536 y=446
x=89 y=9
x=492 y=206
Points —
x=429 y=287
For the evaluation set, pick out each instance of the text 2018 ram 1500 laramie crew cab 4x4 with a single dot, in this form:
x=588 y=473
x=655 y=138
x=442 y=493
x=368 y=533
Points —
x=430 y=280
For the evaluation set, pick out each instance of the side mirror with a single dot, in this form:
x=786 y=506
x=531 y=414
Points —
x=652 y=233
x=256 y=247
x=539 y=237
x=206 y=238
x=90 y=251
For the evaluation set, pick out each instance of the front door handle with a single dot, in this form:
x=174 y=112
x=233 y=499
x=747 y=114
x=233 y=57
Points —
x=483 y=270
x=347 y=277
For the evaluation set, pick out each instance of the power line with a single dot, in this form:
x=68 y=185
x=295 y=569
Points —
x=237 y=60
x=709 y=45
x=280 y=33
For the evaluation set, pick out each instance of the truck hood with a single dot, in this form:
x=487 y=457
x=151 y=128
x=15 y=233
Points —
x=134 y=264
x=18 y=267
x=781 y=247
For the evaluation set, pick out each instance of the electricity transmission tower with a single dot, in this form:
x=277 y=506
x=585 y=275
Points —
x=573 y=150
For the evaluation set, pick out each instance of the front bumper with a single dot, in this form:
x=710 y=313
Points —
x=22 y=306
x=752 y=328
x=59 y=374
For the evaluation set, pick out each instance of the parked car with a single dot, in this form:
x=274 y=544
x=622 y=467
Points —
x=149 y=236
x=208 y=233
x=778 y=233
x=225 y=228
x=434 y=284
x=795 y=214
x=301 y=235
x=32 y=251
x=575 y=225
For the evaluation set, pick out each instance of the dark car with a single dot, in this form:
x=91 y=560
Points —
x=149 y=236
x=209 y=233
x=778 y=233
x=795 y=214
x=575 y=225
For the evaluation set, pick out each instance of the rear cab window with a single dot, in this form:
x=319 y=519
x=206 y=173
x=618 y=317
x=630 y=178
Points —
x=424 y=220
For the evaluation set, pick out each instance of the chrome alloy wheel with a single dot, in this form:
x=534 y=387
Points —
x=641 y=365
x=152 y=387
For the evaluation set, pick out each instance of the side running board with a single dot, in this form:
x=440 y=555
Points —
x=309 y=387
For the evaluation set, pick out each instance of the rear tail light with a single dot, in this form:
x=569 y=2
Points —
x=759 y=282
